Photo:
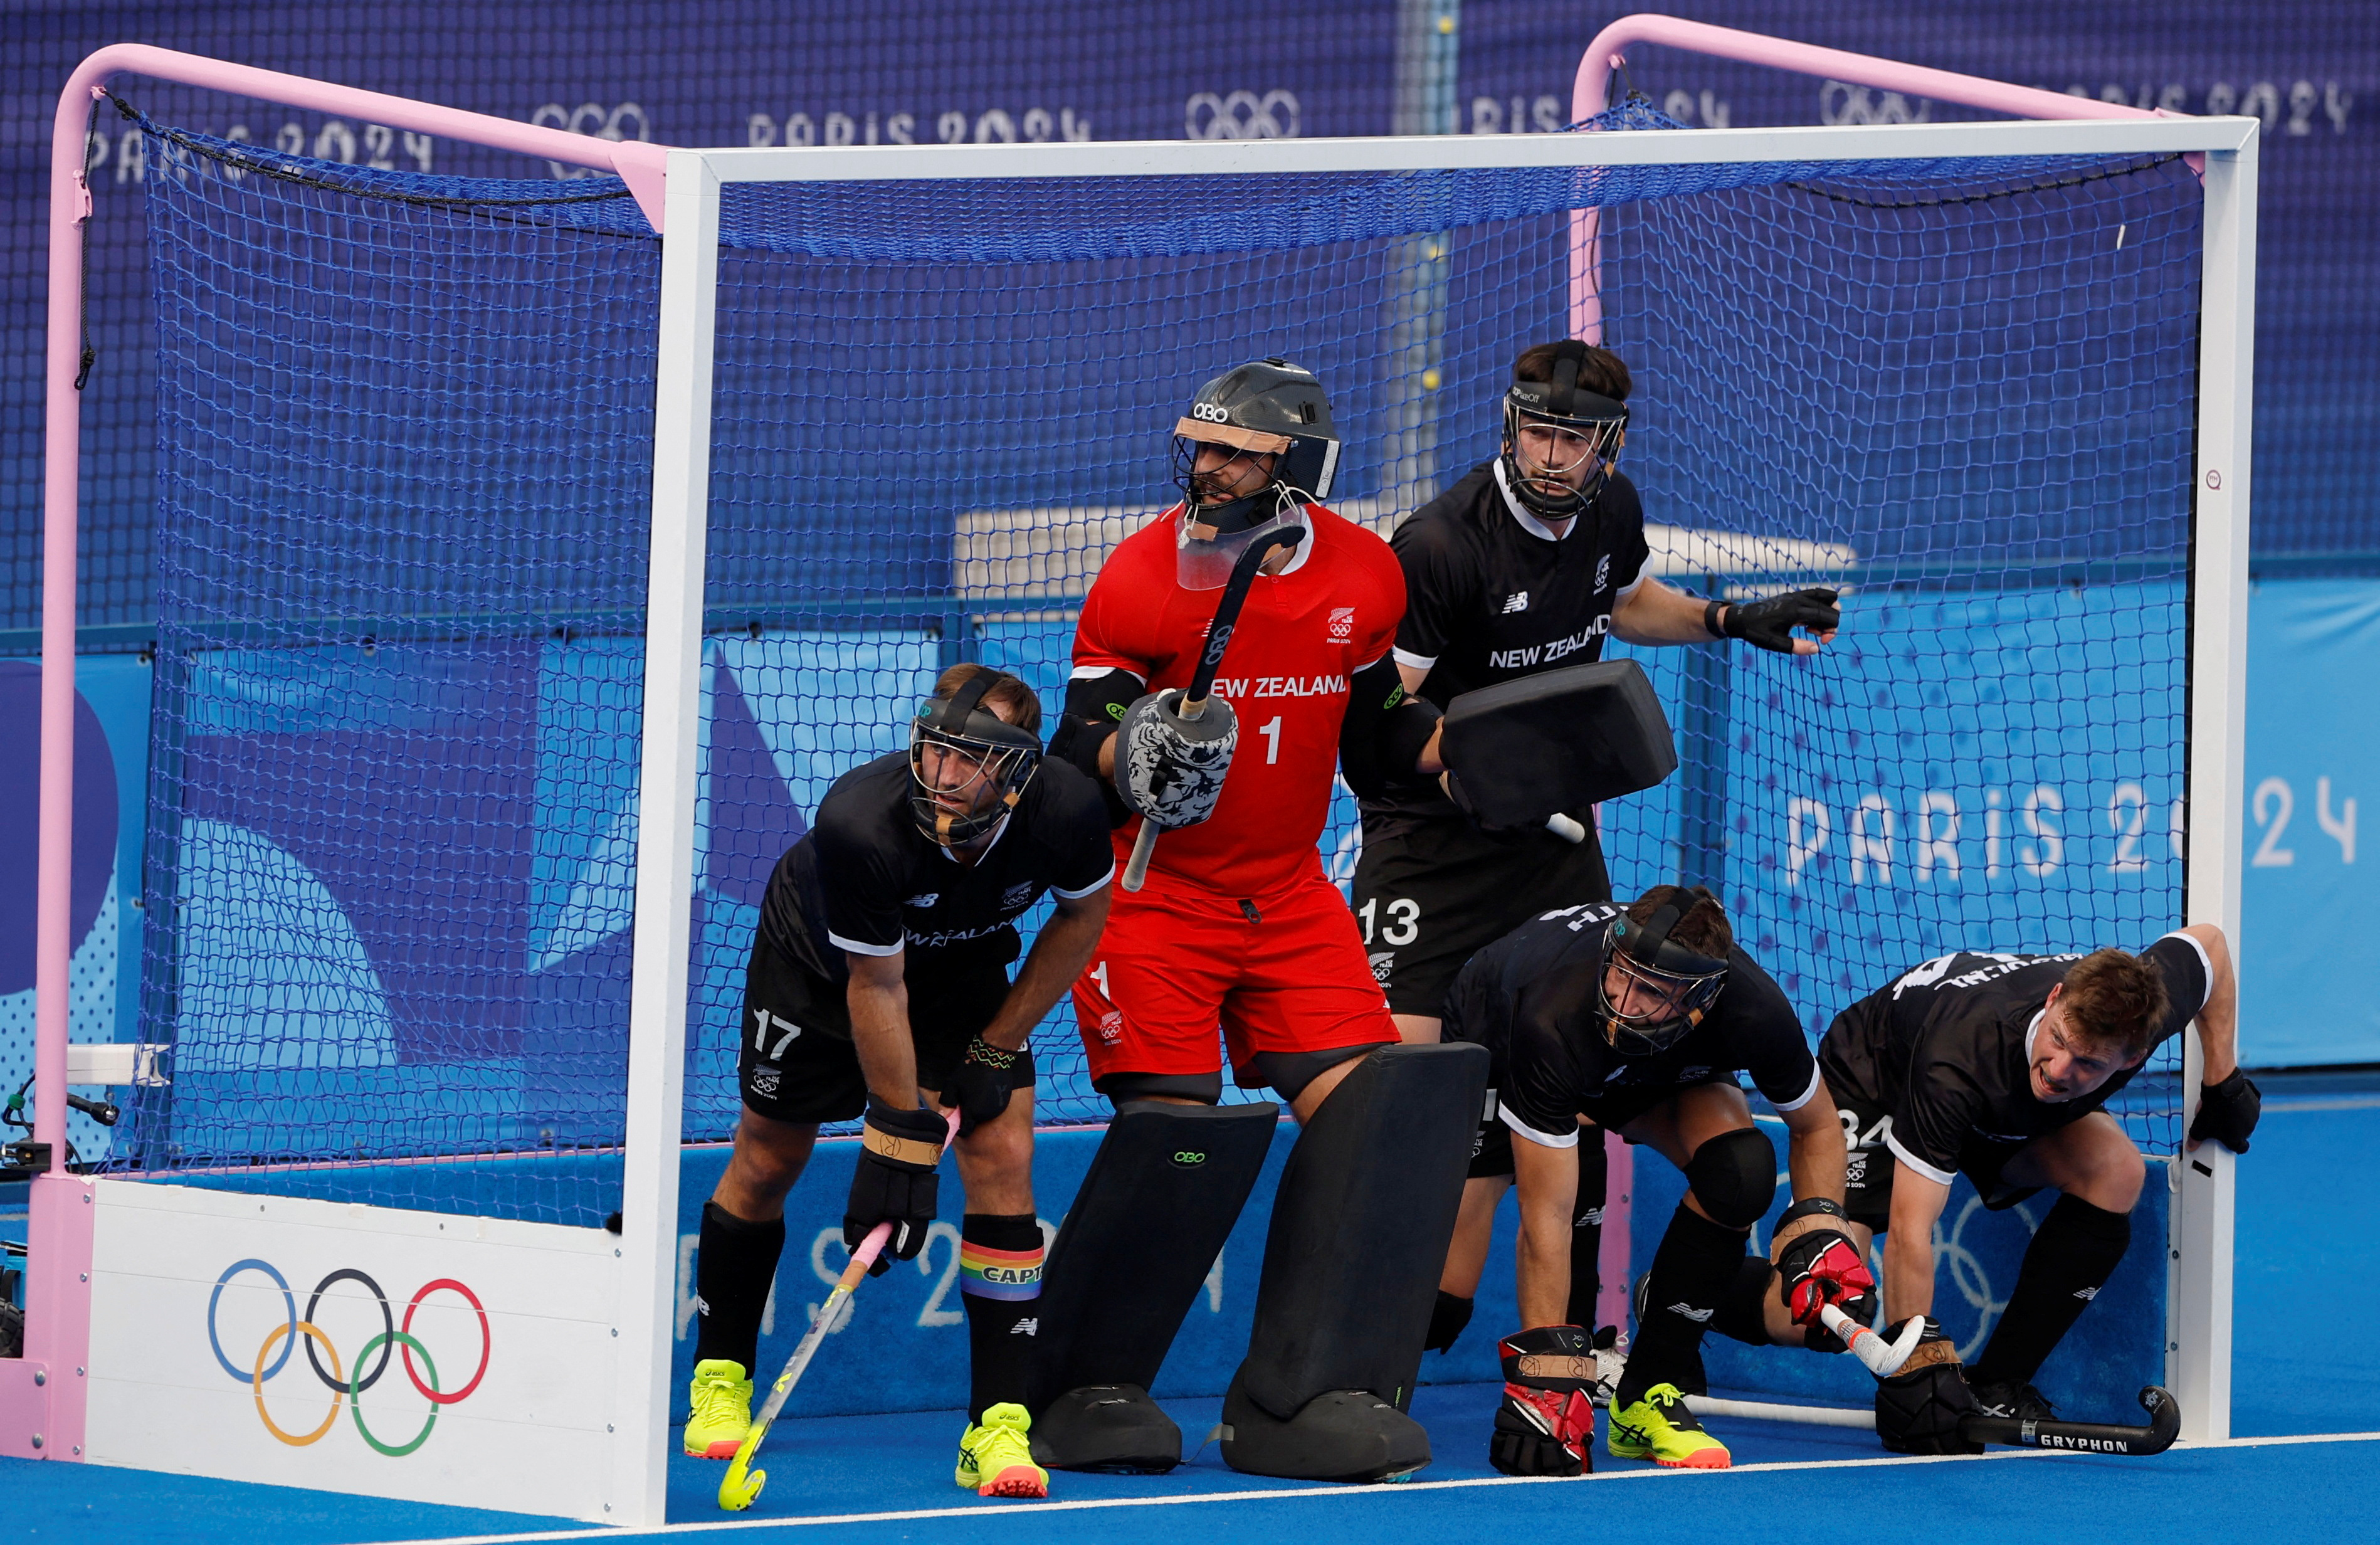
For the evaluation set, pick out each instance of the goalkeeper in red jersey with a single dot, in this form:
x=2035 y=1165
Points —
x=1238 y=932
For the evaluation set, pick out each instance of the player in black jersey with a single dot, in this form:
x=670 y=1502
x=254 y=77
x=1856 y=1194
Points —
x=1526 y=565
x=1998 y=1066
x=1639 y=1021
x=878 y=983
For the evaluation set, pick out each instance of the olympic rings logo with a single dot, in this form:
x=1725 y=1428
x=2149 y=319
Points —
x=393 y=1336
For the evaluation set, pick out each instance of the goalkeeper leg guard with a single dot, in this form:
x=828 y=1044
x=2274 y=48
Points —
x=1000 y=1281
x=1360 y=1228
x=1159 y=1199
x=1586 y=1233
x=2072 y=1255
x=1693 y=1270
x=734 y=1264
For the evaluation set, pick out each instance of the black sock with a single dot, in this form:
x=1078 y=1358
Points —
x=1692 y=1270
x=2072 y=1255
x=1586 y=1233
x=734 y=1265
x=1000 y=1281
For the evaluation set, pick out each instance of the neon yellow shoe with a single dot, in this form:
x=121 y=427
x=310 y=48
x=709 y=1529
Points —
x=1660 y=1427
x=722 y=1398
x=996 y=1459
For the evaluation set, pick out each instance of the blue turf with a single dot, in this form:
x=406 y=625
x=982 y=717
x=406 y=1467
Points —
x=2308 y=1360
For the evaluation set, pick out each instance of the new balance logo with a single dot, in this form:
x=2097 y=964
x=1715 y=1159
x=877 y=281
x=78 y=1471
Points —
x=1026 y=1327
x=1593 y=1215
x=1517 y=602
x=924 y=901
x=2086 y=1295
x=1697 y=1316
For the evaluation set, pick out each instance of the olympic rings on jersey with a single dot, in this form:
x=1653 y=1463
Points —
x=393 y=1336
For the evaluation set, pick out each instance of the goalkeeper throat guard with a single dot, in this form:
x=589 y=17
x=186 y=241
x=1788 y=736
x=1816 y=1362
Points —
x=1682 y=984
x=1586 y=429
x=984 y=750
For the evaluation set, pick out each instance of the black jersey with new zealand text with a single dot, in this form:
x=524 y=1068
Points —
x=1946 y=1050
x=1531 y=999
x=865 y=880
x=1492 y=595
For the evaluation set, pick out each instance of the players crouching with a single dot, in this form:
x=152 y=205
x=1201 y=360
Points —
x=1640 y=1020
x=878 y=983
x=1998 y=1066
x=1237 y=926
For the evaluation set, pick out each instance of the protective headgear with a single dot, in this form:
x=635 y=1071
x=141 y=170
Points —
x=1588 y=428
x=1686 y=983
x=995 y=751
x=1271 y=407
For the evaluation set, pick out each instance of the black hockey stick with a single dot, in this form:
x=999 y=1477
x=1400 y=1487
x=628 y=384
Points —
x=2084 y=1437
x=1210 y=660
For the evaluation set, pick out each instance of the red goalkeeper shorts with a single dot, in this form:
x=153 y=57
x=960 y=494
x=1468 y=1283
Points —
x=1288 y=974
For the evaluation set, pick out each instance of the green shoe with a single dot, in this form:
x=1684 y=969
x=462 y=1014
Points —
x=1660 y=1427
x=722 y=1398
x=996 y=1459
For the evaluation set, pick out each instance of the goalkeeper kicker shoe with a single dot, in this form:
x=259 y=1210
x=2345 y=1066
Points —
x=996 y=1458
x=1660 y=1427
x=722 y=1398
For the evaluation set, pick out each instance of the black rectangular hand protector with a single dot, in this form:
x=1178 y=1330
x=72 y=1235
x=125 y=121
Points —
x=1560 y=741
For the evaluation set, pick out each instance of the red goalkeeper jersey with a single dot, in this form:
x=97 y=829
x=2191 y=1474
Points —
x=1302 y=633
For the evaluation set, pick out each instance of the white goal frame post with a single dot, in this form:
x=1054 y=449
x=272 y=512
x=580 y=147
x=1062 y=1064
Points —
x=600 y=1451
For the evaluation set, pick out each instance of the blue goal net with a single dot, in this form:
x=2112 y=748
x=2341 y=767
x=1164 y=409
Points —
x=404 y=447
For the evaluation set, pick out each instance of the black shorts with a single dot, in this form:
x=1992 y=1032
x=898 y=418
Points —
x=1429 y=894
x=1867 y=1170
x=1491 y=1152
x=797 y=1063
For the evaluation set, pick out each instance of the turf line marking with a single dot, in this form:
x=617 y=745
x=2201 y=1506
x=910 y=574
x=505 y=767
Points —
x=1087 y=1504
x=2344 y=1102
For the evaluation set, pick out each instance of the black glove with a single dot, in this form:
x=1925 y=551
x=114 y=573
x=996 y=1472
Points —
x=2228 y=1112
x=1770 y=624
x=984 y=1079
x=1917 y=1410
x=1545 y=1426
x=894 y=1181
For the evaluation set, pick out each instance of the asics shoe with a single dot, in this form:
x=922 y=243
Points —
x=722 y=1398
x=996 y=1458
x=1660 y=1427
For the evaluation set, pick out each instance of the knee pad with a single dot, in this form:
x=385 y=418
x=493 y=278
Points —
x=1734 y=1177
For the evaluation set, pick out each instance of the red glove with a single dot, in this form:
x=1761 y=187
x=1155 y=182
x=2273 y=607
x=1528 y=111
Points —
x=1821 y=1266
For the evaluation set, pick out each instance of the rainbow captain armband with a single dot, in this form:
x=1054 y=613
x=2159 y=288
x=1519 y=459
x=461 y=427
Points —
x=989 y=1274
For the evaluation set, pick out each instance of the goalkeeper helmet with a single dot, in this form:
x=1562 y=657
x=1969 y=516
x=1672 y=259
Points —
x=968 y=765
x=1665 y=988
x=1579 y=429
x=1269 y=409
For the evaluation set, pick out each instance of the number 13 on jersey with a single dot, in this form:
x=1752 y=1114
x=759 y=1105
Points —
x=1404 y=917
